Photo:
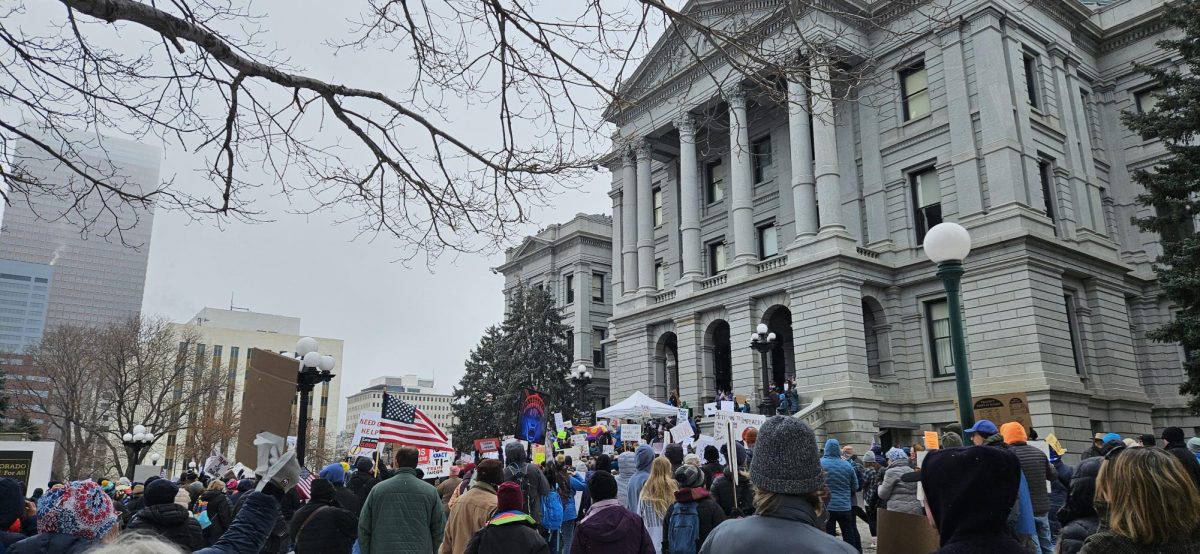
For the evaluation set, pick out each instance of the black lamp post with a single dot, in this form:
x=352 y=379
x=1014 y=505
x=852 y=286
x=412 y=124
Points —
x=136 y=442
x=582 y=377
x=947 y=244
x=764 y=341
x=314 y=368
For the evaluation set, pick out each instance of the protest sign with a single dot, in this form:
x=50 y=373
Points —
x=901 y=533
x=487 y=445
x=631 y=432
x=681 y=431
x=27 y=462
x=366 y=434
x=539 y=453
x=435 y=463
x=608 y=449
x=1055 y=444
x=710 y=409
x=726 y=406
x=574 y=452
x=1002 y=408
x=683 y=415
x=740 y=421
x=931 y=440
x=579 y=441
x=558 y=420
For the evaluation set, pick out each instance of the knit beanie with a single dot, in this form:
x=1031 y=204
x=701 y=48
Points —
x=603 y=463
x=785 y=457
x=321 y=490
x=950 y=440
x=896 y=454
x=334 y=474
x=364 y=464
x=80 y=509
x=711 y=454
x=490 y=471
x=1172 y=435
x=602 y=486
x=1193 y=444
x=1013 y=432
x=689 y=476
x=509 y=497
x=160 y=491
x=674 y=453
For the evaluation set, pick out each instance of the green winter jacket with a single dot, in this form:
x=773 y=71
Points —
x=402 y=514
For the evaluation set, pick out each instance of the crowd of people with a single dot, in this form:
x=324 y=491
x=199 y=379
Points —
x=780 y=491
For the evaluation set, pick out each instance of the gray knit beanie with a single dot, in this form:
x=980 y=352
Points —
x=786 y=460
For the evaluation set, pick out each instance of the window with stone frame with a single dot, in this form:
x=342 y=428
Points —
x=1033 y=79
x=714 y=181
x=570 y=286
x=760 y=156
x=1049 y=190
x=914 y=90
x=598 y=287
x=598 y=347
x=1073 y=329
x=768 y=241
x=657 y=195
x=937 y=314
x=927 y=200
x=1144 y=101
x=716 y=257
x=660 y=275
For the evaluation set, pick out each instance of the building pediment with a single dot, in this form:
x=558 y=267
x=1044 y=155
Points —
x=529 y=246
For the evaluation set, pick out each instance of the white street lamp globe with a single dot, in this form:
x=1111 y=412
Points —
x=771 y=336
x=753 y=337
x=149 y=437
x=306 y=345
x=139 y=429
x=762 y=328
x=947 y=241
x=326 y=363
x=191 y=465
x=139 y=437
x=154 y=458
x=127 y=437
x=312 y=359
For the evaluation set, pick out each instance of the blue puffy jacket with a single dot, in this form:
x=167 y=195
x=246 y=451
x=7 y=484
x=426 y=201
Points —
x=569 y=511
x=645 y=456
x=552 y=511
x=840 y=476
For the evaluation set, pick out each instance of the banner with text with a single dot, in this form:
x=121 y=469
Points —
x=366 y=435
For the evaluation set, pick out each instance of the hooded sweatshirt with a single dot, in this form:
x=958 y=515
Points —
x=627 y=466
x=610 y=528
x=839 y=476
x=982 y=479
x=645 y=456
x=528 y=476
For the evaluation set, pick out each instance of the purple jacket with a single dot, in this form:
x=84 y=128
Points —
x=610 y=528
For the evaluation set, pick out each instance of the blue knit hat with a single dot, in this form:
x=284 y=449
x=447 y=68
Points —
x=80 y=509
x=1112 y=437
x=334 y=473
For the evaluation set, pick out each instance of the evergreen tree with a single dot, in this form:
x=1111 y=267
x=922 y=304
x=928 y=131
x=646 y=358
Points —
x=1172 y=187
x=475 y=407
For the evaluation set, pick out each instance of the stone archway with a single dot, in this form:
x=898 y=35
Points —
x=718 y=357
x=783 y=355
x=666 y=366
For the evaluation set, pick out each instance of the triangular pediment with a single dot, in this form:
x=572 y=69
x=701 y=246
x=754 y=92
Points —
x=529 y=246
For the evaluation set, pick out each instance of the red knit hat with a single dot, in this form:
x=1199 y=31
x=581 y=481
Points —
x=509 y=497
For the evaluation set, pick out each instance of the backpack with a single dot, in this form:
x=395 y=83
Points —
x=521 y=478
x=685 y=528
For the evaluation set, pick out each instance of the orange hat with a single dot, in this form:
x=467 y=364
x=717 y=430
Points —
x=1013 y=432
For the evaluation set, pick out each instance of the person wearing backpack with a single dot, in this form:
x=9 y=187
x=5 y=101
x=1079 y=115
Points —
x=322 y=525
x=531 y=480
x=511 y=530
x=693 y=515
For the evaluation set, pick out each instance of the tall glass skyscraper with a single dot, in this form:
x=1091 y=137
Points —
x=97 y=245
x=24 y=288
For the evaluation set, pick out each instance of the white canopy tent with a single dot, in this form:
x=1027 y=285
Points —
x=638 y=405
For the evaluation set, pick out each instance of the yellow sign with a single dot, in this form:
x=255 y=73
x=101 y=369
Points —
x=931 y=440
x=1055 y=444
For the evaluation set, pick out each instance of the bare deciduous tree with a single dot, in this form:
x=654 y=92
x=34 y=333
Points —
x=543 y=71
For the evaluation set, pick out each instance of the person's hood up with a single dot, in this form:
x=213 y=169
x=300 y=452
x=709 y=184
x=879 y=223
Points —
x=833 y=449
x=970 y=490
x=613 y=525
x=514 y=453
x=1193 y=444
x=245 y=485
x=334 y=473
x=1082 y=492
x=165 y=515
x=12 y=501
x=645 y=457
x=627 y=464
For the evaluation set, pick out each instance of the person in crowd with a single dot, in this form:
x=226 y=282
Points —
x=447 y=487
x=163 y=516
x=722 y=488
x=467 y=474
x=692 y=459
x=335 y=473
x=531 y=479
x=243 y=486
x=402 y=513
x=656 y=496
x=1059 y=488
x=220 y=511
x=1131 y=443
x=842 y=481
x=602 y=462
x=70 y=520
x=644 y=456
x=969 y=492
x=788 y=483
x=899 y=496
x=182 y=497
x=567 y=483
x=1038 y=471
x=1151 y=503
x=1078 y=517
x=322 y=525
x=745 y=407
x=1193 y=445
x=950 y=440
x=1146 y=440
x=362 y=481
x=626 y=468
x=474 y=508
x=872 y=476
x=510 y=530
x=1173 y=443
x=692 y=516
x=609 y=527
x=13 y=508
x=552 y=509
x=984 y=432
x=674 y=454
x=1094 y=450
x=856 y=497
x=712 y=465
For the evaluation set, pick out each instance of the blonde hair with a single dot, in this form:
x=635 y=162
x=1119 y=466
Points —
x=1151 y=498
x=216 y=485
x=659 y=490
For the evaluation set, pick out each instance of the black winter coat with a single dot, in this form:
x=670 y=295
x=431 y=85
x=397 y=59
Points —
x=509 y=538
x=711 y=515
x=171 y=522
x=1078 y=517
x=722 y=492
x=50 y=543
x=220 y=513
x=347 y=499
x=1180 y=450
x=711 y=470
x=330 y=529
x=361 y=485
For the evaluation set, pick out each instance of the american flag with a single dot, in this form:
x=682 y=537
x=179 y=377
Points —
x=403 y=423
x=304 y=483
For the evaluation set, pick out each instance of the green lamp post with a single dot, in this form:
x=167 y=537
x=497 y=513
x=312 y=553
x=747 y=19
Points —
x=947 y=244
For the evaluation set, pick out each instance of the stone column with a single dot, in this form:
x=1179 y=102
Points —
x=629 y=230
x=690 y=344
x=645 y=220
x=829 y=194
x=803 y=188
x=617 y=279
x=689 y=194
x=741 y=178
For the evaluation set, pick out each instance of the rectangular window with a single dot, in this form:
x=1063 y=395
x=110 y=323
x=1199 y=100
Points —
x=938 y=316
x=760 y=154
x=1046 y=174
x=1073 y=328
x=598 y=350
x=927 y=201
x=768 y=241
x=1033 y=79
x=598 y=287
x=660 y=276
x=1145 y=101
x=716 y=258
x=571 y=342
x=658 y=206
x=714 y=181
x=570 y=289
x=914 y=87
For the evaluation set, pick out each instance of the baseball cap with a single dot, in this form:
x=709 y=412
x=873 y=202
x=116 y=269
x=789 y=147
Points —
x=983 y=426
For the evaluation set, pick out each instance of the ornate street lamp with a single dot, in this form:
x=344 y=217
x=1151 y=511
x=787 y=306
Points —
x=947 y=244
x=314 y=368
x=764 y=341
x=582 y=377
x=136 y=442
